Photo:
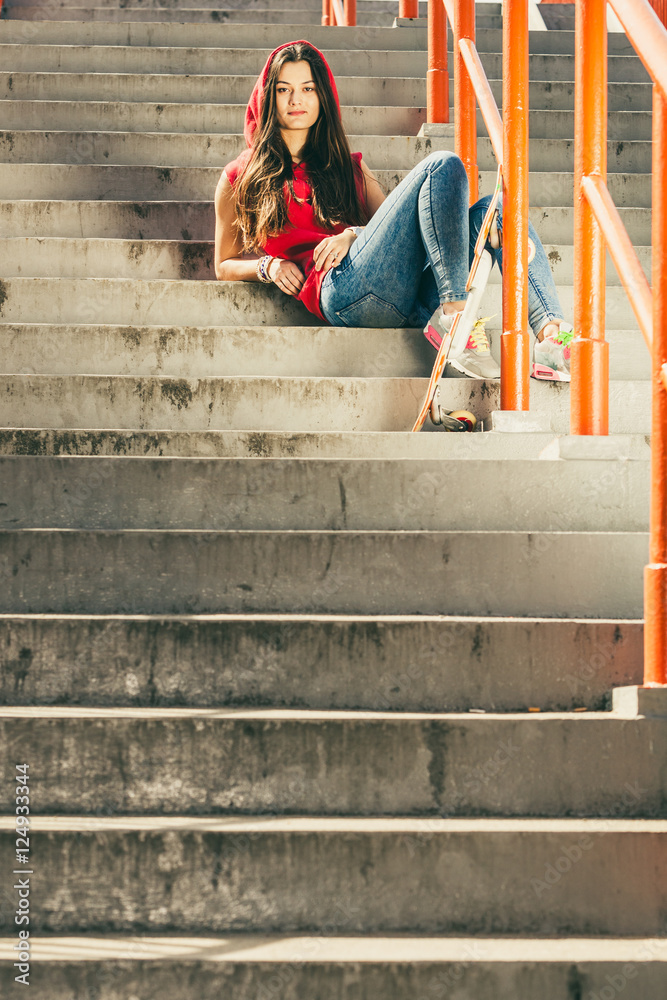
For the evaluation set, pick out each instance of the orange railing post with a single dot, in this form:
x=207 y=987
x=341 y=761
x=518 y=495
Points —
x=596 y=215
x=437 y=77
x=589 y=400
x=655 y=574
x=660 y=7
x=515 y=347
x=465 y=119
x=326 y=18
x=408 y=8
x=350 y=13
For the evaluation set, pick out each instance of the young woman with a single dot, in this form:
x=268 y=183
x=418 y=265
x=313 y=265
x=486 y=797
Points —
x=296 y=208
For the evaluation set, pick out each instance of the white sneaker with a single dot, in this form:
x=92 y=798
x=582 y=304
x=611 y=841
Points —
x=476 y=360
x=551 y=358
x=439 y=324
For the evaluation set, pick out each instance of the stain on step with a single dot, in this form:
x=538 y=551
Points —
x=178 y=392
x=196 y=261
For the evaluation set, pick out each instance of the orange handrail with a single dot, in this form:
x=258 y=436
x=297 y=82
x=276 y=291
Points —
x=515 y=344
x=643 y=28
x=465 y=118
x=509 y=139
x=485 y=98
x=655 y=574
x=334 y=14
x=622 y=253
x=408 y=8
x=589 y=397
x=660 y=7
x=596 y=222
x=437 y=75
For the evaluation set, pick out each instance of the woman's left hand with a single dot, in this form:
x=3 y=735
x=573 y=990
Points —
x=332 y=250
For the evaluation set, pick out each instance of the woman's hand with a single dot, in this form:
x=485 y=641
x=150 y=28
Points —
x=332 y=250
x=286 y=275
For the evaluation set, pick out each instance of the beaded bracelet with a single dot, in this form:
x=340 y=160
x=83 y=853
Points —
x=357 y=230
x=263 y=265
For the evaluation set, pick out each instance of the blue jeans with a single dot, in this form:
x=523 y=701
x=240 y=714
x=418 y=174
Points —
x=416 y=252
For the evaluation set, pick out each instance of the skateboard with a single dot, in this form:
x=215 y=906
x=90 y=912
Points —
x=451 y=420
x=464 y=320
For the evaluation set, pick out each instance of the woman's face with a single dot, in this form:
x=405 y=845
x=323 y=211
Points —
x=297 y=103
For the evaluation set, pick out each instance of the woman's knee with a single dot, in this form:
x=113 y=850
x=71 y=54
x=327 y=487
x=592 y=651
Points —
x=447 y=172
x=448 y=163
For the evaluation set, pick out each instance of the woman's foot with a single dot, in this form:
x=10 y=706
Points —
x=551 y=358
x=475 y=359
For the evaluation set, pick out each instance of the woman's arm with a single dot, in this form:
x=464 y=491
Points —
x=231 y=264
x=374 y=192
x=333 y=249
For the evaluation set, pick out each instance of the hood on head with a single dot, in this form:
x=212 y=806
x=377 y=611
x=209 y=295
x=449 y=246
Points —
x=254 y=108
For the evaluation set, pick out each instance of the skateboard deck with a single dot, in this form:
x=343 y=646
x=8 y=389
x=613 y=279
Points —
x=465 y=320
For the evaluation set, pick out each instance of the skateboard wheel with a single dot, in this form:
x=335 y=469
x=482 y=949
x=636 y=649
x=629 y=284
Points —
x=466 y=417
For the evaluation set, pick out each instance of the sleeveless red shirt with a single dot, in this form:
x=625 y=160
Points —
x=298 y=241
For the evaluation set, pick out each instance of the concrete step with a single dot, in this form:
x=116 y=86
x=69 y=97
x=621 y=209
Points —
x=104 y=182
x=322 y=572
x=193 y=149
x=270 y=403
x=292 y=494
x=363 y=6
x=204 y=118
x=195 y=220
x=148 y=761
x=214 y=89
x=490 y=21
x=204 y=352
x=165 y=220
x=267 y=875
x=379 y=57
x=289 y=8
x=184 y=15
x=436 y=664
x=171 y=259
x=175 y=88
x=86 y=30
x=303 y=444
x=389 y=967
x=135 y=116
x=375 y=59
x=203 y=303
x=559 y=17
x=180 y=259
x=264 y=37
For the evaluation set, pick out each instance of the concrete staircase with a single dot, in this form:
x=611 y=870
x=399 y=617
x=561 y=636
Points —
x=274 y=662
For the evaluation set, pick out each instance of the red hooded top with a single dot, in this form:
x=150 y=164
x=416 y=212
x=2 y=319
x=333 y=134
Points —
x=298 y=241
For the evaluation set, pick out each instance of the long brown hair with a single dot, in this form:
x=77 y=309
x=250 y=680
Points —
x=261 y=207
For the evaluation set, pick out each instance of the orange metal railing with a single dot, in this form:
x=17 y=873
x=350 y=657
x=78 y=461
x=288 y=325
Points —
x=598 y=226
x=334 y=13
x=660 y=7
x=509 y=139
